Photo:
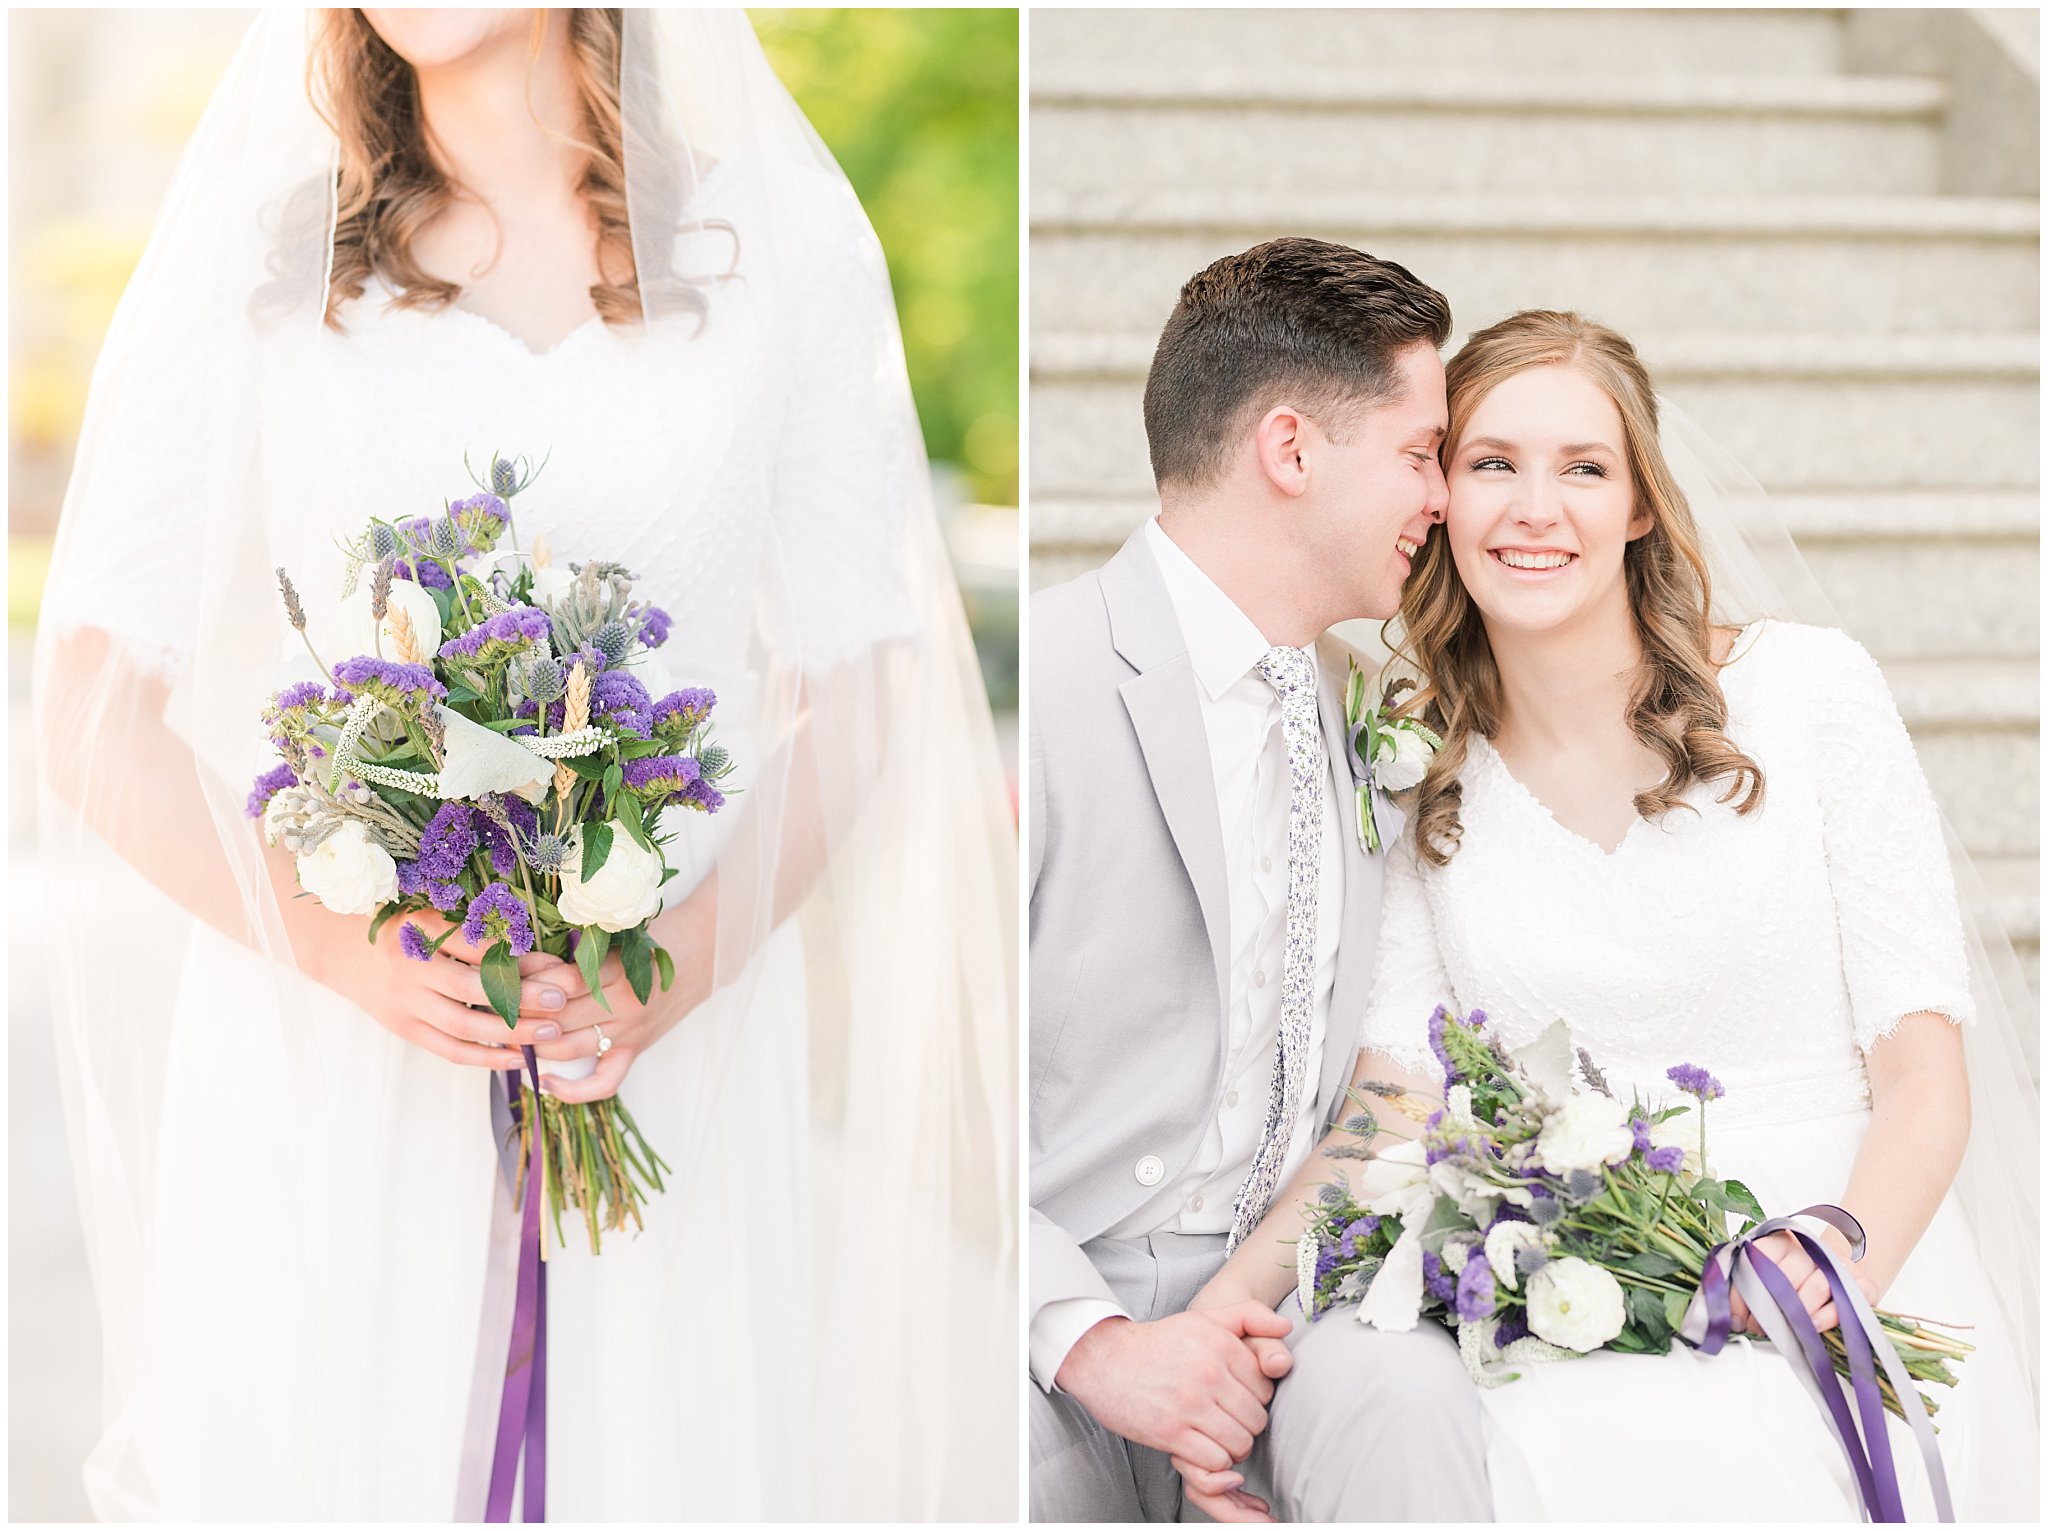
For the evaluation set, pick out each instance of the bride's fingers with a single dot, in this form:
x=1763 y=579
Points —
x=539 y=997
x=600 y=1084
x=1203 y=1481
x=439 y=1043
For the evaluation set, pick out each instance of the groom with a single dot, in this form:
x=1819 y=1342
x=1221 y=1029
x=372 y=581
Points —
x=1203 y=916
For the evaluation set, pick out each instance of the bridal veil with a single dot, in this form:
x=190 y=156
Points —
x=805 y=569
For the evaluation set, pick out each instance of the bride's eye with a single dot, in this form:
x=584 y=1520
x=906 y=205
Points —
x=1591 y=467
x=1485 y=463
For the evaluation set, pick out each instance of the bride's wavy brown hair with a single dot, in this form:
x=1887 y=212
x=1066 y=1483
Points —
x=1676 y=707
x=388 y=187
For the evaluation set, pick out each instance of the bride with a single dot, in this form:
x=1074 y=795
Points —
x=606 y=241
x=1698 y=842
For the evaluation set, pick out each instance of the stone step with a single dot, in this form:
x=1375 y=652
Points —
x=1105 y=123
x=1976 y=726
x=1932 y=574
x=1594 y=46
x=1817 y=421
x=1105 y=261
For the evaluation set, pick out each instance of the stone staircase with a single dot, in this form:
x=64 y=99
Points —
x=1809 y=259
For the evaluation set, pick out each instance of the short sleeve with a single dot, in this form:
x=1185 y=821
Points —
x=1888 y=868
x=1408 y=980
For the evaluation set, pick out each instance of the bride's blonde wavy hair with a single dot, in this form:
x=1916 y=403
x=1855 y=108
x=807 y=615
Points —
x=389 y=187
x=1676 y=707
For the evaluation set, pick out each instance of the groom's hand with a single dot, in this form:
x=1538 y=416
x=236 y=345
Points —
x=1188 y=1385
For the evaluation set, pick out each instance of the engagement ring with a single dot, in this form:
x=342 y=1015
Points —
x=604 y=1043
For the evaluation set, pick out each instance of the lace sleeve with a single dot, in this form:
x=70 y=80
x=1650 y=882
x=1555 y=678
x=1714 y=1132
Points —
x=1895 y=895
x=1408 y=980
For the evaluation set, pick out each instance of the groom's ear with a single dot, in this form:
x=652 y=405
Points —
x=1281 y=441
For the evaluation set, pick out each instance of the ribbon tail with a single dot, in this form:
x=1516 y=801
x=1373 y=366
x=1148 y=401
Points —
x=524 y=1398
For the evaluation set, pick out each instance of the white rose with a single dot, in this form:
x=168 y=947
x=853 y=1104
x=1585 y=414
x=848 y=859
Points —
x=1401 y=760
x=1585 y=1133
x=625 y=891
x=349 y=872
x=1575 y=1304
x=551 y=584
x=652 y=673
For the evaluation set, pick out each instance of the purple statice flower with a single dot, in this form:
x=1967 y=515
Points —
x=498 y=914
x=402 y=685
x=592 y=661
x=482 y=518
x=413 y=942
x=1639 y=1126
x=500 y=637
x=1455 y=1148
x=1437 y=1022
x=446 y=845
x=1507 y=1212
x=498 y=846
x=661 y=775
x=1326 y=1262
x=1514 y=1327
x=423 y=572
x=655 y=624
x=305 y=693
x=1668 y=1160
x=1695 y=1081
x=703 y=797
x=619 y=697
x=558 y=711
x=676 y=714
x=1356 y=1234
x=1436 y=1280
x=268 y=785
x=1476 y=1298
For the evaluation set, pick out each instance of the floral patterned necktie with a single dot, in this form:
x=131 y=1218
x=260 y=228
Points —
x=1290 y=674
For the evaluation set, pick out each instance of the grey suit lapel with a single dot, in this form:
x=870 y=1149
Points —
x=1167 y=718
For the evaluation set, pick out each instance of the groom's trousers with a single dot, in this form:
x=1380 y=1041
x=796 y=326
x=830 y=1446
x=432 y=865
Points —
x=1367 y=1426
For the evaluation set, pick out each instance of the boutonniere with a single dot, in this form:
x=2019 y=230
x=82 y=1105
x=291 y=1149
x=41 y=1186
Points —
x=1386 y=755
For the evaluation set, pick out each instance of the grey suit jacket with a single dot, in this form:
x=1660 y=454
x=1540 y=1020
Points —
x=1130 y=918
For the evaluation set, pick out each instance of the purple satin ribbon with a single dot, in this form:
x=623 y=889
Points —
x=1784 y=1319
x=523 y=1403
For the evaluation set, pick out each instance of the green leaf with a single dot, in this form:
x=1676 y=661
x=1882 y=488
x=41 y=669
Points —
x=666 y=874
x=500 y=973
x=612 y=776
x=546 y=910
x=505 y=725
x=377 y=921
x=629 y=815
x=597 y=846
x=444 y=603
x=1675 y=1304
x=1651 y=1263
x=1739 y=1198
x=458 y=693
x=589 y=767
x=640 y=749
x=638 y=963
x=590 y=957
x=667 y=965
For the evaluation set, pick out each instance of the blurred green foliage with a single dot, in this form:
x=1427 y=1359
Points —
x=920 y=109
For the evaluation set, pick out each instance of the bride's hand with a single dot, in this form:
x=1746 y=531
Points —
x=628 y=1025
x=1807 y=1278
x=440 y=1004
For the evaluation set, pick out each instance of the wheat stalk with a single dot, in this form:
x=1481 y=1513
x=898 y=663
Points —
x=543 y=555
x=575 y=715
x=404 y=641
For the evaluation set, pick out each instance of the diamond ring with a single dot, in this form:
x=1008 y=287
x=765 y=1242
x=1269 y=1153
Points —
x=604 y=1043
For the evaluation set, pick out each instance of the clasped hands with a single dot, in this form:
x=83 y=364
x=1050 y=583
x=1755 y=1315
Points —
x=440 y=1005
x=1194 y=1385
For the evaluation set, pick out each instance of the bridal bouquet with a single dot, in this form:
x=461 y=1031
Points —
x=1539 y=1221
x=487 y=753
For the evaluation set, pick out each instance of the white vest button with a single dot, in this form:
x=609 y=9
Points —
x=1151 y=1170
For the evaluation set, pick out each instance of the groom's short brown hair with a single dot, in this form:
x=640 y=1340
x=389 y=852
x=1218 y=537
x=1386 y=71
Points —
x=1298 y=321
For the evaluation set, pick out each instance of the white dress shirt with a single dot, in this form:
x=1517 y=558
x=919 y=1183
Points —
x=1248 y=756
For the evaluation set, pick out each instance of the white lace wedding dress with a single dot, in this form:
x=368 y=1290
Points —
x=677 y=1359
x=1771 y=950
